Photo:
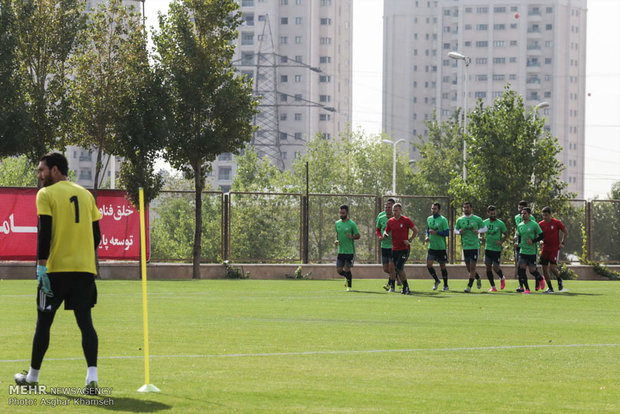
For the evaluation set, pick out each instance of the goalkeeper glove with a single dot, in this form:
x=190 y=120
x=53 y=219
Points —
x=44 y=280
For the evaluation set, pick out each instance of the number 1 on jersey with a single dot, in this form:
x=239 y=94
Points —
x=74 y=199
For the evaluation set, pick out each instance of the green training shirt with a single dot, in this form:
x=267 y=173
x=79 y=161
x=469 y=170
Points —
x=529 y=230
x=494 y=234
x=437 y=242
x=345 y=244
x=465 y=225
x=382 y=220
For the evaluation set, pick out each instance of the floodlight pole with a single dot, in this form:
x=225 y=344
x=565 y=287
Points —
x=467 y=60
x=394 y=145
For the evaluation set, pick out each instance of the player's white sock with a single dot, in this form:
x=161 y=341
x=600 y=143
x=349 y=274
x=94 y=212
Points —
x=33 y=375
x=91 y=375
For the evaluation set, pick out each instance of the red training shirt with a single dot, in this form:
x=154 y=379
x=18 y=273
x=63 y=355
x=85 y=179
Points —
x=551 y=231
x=400 y=231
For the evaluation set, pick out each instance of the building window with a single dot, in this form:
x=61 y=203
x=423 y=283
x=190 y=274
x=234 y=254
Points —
x=283 y=40
x=547 y=61
x=298 y=40
x=283 y=78
x=326 y=21
x=324 y=117
x=283 y=117
x=283 y=136
x=299 y=20
x=283 y=97
x=325 y=40
x=482 y=43
x=298 y=97
x=261 y=17
x=325 y=78
x=499 y=27
x=499 y=61
x=227 y=156
x=247 y=3
x=299 y=2
x=283 y=20
x=223 y=173
x=499 y=10
x=481 y=78
x=298 y=135
x=247 y=58
x=326 y=2
x=325 y=98
x=325 y=59
x=482 y=10
x=480 y=94
x=247 y=38
x=284 y=2
x=297 y=116
x=499 y=43
x=297 y=78
x=298 y=58
x=248 y=19
x=482 y=27
x=549 y=27
x=283 y=59
x=481 y=61
x=86 y=175
x=499 y=77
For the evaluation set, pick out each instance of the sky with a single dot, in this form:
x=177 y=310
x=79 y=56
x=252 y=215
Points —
x=602 y=129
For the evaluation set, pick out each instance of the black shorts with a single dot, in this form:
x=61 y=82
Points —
x=471 y=255
x=440 y=256
x=343 y=260
x=76 y=289
x=400 y=258
x=386 y=255
x=527 y=259
x=492 y=257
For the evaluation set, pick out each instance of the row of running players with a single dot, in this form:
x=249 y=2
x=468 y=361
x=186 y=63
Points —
x=396 y=231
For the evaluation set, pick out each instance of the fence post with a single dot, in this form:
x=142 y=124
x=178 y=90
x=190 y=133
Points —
x=226 y=227
x=305 y=224
x=378 y=209
x=589 y=232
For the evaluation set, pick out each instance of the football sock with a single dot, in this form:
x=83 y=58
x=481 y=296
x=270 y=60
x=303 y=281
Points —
x=33 y=375
x=499 y=273
x=342 y=273
x=90 y=341
x=477 y=276
x=444 y=275
x=490 y=277
x=470 y=283
x=431 y=270
x=393 y=283
x=405 y=284
x=91 y=375
x=522 y=277
x=537 y=275
x=41 y=339
x=349 y=277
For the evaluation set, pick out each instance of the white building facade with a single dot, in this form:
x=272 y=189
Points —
x=536 y=46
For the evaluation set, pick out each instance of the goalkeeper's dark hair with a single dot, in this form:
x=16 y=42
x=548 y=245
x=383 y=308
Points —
x=56 y=159
x=344 y=207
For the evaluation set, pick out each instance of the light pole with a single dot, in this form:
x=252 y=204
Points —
x=467 y=60
x=542 y=105
x=394 y=144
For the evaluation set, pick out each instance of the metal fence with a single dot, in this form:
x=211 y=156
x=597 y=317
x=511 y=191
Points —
x=297 y=228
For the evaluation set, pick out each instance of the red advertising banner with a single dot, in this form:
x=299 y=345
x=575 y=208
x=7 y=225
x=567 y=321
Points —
x=120 y=225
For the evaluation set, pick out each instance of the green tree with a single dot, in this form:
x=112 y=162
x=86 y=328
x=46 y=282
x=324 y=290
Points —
x=108 y=71
x=509 y=157
x=46 y=31
x=211 y=107
x=17 y=172
x=14 y=118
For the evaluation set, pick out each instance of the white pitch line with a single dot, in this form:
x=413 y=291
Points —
x=369 y=351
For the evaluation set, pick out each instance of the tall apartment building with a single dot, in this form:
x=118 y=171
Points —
x=538 y=46
x=298 y=52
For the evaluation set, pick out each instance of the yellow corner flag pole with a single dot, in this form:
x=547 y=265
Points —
x=146 y=387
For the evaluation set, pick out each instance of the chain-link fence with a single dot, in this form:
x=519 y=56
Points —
x=290 y=227
x=604 y=231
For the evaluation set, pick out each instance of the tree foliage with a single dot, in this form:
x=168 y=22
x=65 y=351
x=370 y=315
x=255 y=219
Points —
x=14 y=117
x=509 y=158
x=46 y=32
x=17 y=172
x=109 y=69
x=211 y=107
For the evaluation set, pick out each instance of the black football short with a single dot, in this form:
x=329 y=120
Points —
x=76 y=289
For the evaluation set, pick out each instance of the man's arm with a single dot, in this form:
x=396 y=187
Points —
x=44 y=239
x=96 y=233
x=565 y=232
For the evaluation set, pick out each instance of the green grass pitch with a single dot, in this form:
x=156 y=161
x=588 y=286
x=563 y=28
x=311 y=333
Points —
x=307 y=346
